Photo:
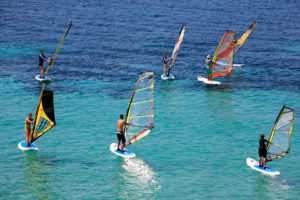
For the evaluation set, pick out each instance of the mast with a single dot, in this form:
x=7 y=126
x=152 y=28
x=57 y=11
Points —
x=176 y=48
x=58 y=48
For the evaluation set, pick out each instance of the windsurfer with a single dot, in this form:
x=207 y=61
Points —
x=208 y=62
x=120 y=132
x=43 y=58
x=262 y=151
x=28 y=121
x=165 y=59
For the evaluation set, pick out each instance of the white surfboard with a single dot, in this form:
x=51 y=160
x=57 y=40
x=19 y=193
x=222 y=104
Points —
x=23 y=147
x=220 y=62
x=125 y=154
x=204 y=80
x=255 y=165
x=45 y=79
x=170 y=77
x=238 y=65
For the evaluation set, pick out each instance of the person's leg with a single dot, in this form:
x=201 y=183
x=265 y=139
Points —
x=264 y=162
x=118 y=141
x=42 y=71
x=30 y=136
x=27 y=137
x=123 y=142
x=166 y=67
x=260 y=154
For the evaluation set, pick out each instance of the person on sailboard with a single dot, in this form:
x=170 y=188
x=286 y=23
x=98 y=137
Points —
x=165 y=60
x=28 y=121
x=262 y=150
x=120 y=132
x=43 y=58
x=208 y=62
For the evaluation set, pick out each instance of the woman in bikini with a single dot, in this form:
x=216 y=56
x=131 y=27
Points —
x=28 y=121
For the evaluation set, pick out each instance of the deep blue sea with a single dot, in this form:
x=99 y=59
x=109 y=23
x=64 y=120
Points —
x=202 y=134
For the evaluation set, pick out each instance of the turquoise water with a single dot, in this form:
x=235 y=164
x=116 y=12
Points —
x=202 y=135
x=193 y=151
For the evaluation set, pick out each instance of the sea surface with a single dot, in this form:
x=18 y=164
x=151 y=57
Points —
x=202 y=134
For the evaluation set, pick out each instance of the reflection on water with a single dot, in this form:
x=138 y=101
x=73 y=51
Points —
x=267 y=187
x=219 y=102
x=38 y=175
x=139 y=179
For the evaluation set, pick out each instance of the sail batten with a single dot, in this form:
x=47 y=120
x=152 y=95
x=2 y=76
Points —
x=176 y=48
x=44 y=118
x=280 y=136
x=140 y=111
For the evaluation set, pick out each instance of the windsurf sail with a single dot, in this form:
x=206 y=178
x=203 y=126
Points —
x=280 y=136
x=223 y=58
x=58 y=48
x=243 y=38
x=44 y=118
x=140 y=111
x=176 y=48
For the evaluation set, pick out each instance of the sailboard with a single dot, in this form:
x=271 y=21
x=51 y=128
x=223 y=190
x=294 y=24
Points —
x=208 y=82
x=238 y=65
x=174 y=54
x=239 y=43
x=22 y=146
x=125 y=154
x=280 y=136
x=140 y=111
x=223 y=57
x=47 y=79
x=233 y=65
x=255 y=165
x=44 y=118
x=170 y=77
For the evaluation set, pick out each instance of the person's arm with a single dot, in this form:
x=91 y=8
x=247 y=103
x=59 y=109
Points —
x=30 y=121
x=267 y=141
x=168 y=59
x=211 y=63
x=43 y=57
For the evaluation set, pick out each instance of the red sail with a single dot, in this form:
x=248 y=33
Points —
x=223 y=58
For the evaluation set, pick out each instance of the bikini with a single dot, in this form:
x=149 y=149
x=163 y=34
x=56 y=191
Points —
x=27 y=125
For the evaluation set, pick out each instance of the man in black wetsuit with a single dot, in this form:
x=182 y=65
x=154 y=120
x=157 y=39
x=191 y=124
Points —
x=262 y=151
x=42 y=58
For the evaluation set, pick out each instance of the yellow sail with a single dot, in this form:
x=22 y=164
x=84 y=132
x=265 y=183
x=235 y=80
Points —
x=239 y=43
x=44 y=118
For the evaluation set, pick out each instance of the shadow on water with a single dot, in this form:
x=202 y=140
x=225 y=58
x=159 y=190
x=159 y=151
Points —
x=265 y=187
x=38 y=176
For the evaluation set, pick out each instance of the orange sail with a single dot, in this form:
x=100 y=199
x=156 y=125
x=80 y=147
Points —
x=223 y=58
